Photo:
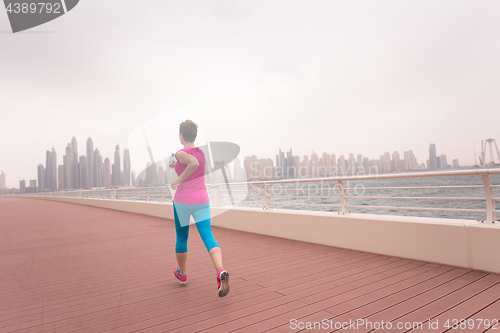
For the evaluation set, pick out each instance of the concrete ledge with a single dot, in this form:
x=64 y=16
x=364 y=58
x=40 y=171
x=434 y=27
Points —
x=462 y=243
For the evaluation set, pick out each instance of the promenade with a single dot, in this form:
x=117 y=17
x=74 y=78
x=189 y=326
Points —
x=73 y=268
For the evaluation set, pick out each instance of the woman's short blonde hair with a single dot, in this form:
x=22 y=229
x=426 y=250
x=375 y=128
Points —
x=189 y=130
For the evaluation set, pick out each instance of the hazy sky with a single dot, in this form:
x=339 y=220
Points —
x=362 y=77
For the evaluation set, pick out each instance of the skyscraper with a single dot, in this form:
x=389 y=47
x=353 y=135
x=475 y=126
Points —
x=127 y=170
x=47 y=183
x=90 y=163
x=99 y=168
x=41 y=176
x=2 y=180
x=432 y=157
x=411 y=160
x=60 y=178
x=237 y=169
x=290 y=165
x=76 y=167
x=107 y=173
x=50 y=172
x=351 y=164
x=68 y=167
x=342 y=165
x=84 y=172
x=117 y=167
x=359 y=164
x=443 y=164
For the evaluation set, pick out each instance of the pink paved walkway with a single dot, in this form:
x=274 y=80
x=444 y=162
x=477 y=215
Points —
x=72 y=268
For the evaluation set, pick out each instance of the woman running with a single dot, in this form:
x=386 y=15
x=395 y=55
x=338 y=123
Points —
x=191 y=198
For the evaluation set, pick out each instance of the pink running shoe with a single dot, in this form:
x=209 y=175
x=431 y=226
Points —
x=223 y=282
x=182 y=279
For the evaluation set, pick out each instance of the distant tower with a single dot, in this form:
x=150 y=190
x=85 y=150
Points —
x=237 y=169
x=342 y=165
x=2 y=180
x=395 y=161
x=484 y=151
x=290 y=164
x=83 y=171
x=68 y=167
x=351 y=162
x=47 y=179
x=99 y=168
x=90 y=163
x=41 y=176
x=76 y=167
x=53 y=170
x=107 y=172
x=60 y=178
x=127 y=170
x=117 y=167
x=432 y=157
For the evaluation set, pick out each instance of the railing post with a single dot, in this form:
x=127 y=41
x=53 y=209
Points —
x=147 y=193
x=216 y=196
x=133 y=195
x=113 y=195
x=343 y=196
x=161 y=194
x=490 y=199
x=268 y=197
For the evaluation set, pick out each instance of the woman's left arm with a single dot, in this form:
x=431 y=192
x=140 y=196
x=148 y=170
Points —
x=192 y=165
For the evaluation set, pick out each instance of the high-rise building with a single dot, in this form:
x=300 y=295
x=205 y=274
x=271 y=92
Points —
x=237 y=176
x=22 y=185
x=298 y=167
x=366 y=165
x=41 y=176
x=359 y=164
x=162 y=179
x=99 y=168
x=351 y=164
x=33 y=183
x=443 y=164
x=117 y=168
x=127 y=170
x=251 y=169
x=333 y=165
x=76 y=167
x=2 y=180
x=84 y=173
x=60 y=178
x=290 y=165
x=342 y=165
x=395 y=162
x=433 y=163
x=455 y=163
x=50 y=176
x=304 y=170
x=90 y=163
x=68 y=167
x=107 y=173
x=411 y=160
x=314 y=165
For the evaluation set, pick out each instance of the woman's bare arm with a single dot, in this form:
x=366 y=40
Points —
x=192 y=165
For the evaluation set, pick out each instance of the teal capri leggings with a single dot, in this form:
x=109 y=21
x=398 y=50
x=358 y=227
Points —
x=201 y=215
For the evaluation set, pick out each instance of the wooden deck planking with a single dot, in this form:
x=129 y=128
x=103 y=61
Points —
x=74 y=268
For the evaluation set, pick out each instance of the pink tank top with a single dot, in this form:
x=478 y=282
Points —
x=192 y=190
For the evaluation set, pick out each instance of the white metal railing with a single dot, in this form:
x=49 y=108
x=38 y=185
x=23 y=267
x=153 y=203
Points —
x=263 y=193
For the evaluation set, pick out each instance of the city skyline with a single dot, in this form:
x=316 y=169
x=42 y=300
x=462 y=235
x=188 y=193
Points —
x=90 y=170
